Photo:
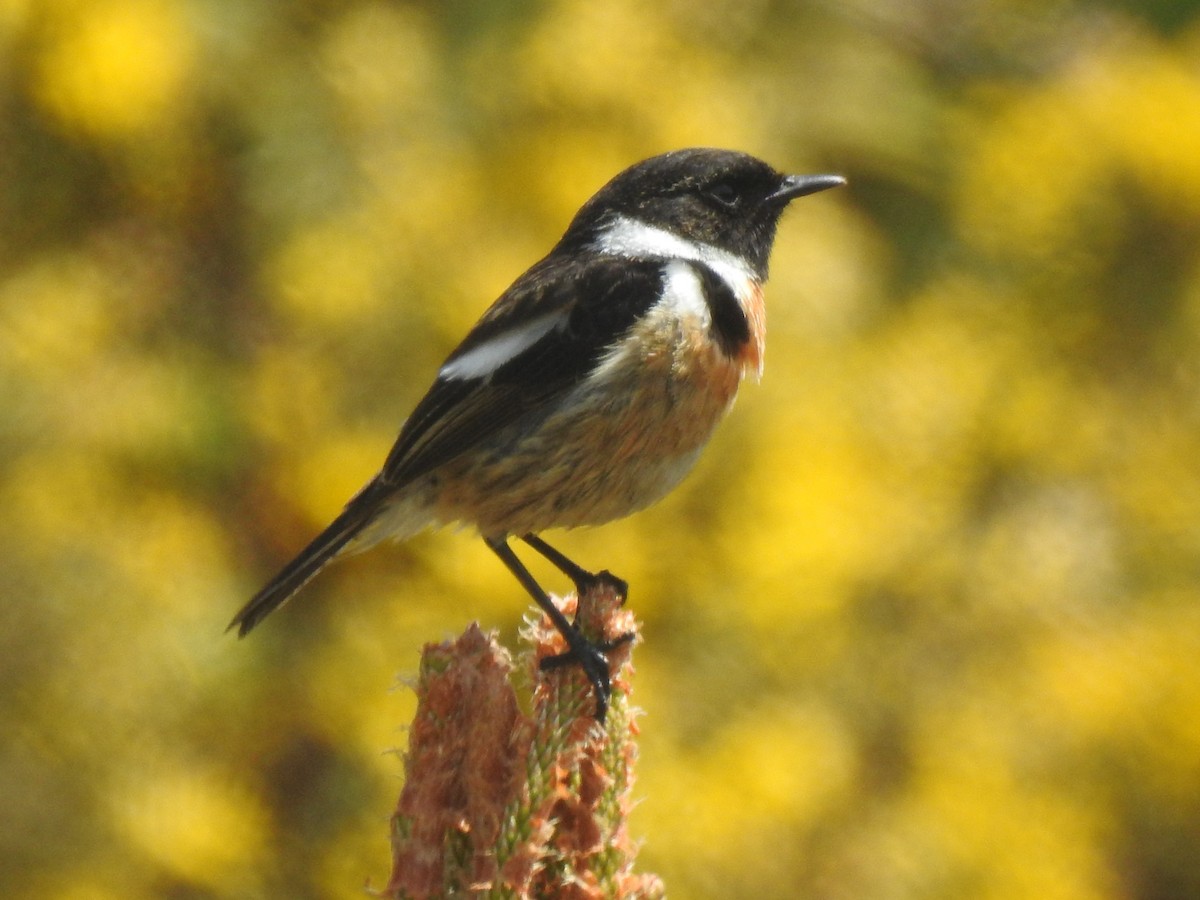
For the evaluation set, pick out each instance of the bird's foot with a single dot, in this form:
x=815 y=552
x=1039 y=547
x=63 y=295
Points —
x=591 y=657
x=586 y=581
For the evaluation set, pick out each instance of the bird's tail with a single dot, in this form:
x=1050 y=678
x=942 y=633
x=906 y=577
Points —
x=312 y=559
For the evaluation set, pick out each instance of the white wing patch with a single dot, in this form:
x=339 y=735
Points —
x=630 y=237
x=484 y=359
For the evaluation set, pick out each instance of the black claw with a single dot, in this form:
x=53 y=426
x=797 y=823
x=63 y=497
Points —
x=619 y=585
x=609 y=646
x=594 y=648
x=592 y=658
x=589 y=657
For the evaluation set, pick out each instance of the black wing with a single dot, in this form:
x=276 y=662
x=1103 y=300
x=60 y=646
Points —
x=598 y=297
x=596 y=301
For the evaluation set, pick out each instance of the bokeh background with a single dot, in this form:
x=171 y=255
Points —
x=925 y=623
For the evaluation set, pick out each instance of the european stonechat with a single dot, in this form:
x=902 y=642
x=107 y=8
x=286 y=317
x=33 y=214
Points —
x=588 y=389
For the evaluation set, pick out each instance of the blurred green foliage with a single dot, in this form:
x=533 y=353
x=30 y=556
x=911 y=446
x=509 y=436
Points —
x=925 y=623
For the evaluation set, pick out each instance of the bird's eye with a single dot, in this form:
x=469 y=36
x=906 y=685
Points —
x=724 y=194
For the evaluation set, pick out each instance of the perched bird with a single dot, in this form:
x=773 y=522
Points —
x=588 y=389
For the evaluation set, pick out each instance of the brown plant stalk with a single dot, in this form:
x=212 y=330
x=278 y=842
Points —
x=498 y=802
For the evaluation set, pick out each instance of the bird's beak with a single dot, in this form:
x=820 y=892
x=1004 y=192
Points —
x=794 y=186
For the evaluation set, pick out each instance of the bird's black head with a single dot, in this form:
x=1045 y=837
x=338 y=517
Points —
x=722 y=198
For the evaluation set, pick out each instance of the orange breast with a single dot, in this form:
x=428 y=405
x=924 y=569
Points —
x=751 y=353
x=619 y=441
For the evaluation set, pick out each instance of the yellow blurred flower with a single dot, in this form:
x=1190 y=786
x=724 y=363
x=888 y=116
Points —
x=191 y=822
x=116 y=67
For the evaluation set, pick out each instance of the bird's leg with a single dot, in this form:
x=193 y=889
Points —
x=583 y=581
x=590 y=656
x=580 y=577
